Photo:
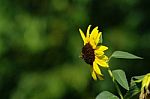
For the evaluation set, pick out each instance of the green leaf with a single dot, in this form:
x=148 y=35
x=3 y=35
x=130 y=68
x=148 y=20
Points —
x=133 y=89
x=106 y=95
x=138 y=78
x=125 y=55
x=120 y=77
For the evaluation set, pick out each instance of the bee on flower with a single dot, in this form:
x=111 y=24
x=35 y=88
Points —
x=92 y=53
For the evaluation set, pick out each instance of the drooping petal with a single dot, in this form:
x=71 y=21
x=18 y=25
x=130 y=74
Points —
x=102 y=62
x=82 y=35
x=94 y=75
x=96 y=68
x=88 y=31
x=100 y=77
x=146 y=81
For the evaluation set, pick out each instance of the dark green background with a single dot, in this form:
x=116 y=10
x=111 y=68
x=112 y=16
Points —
x=40 y=45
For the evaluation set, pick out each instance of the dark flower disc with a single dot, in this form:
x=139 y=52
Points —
x=88 y=54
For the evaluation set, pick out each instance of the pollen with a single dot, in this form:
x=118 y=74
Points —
x=88 y=54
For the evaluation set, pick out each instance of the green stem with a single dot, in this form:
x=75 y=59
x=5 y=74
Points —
x=117 y=87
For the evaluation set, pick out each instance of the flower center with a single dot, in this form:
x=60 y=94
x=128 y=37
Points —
x=88 y=54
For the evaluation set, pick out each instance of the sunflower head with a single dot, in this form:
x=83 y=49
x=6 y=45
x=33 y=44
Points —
x=92 y=53
x=145 y=89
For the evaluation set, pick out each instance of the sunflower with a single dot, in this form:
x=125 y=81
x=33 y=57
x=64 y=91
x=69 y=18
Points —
x=145 y=89
x=92 y=53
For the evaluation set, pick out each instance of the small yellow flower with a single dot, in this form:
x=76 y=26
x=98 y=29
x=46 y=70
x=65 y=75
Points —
x=145 y=89
x=92 y=53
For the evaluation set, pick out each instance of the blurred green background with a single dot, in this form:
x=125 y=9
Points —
x=40 y=45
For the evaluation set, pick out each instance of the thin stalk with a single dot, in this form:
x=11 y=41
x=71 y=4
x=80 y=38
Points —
x=117 y=87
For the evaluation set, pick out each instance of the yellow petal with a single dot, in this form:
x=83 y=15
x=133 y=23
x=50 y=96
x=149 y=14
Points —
x=105 y=58
x=98 y=38
x=96 y=68
x=99 y=52
x=94 y=75
x=94 y=34
x=92 y=43
x=101 y=62
x=88 y=31
x=82 y=35
x=146 y=81
x=102 y=48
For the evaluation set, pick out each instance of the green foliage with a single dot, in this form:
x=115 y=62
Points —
x=40 y=44
x=120 y=77
x=133 y=89
x=39 y=47
x=106 y=95
x=137 y=78
x=125 y=55
x=50 y=84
